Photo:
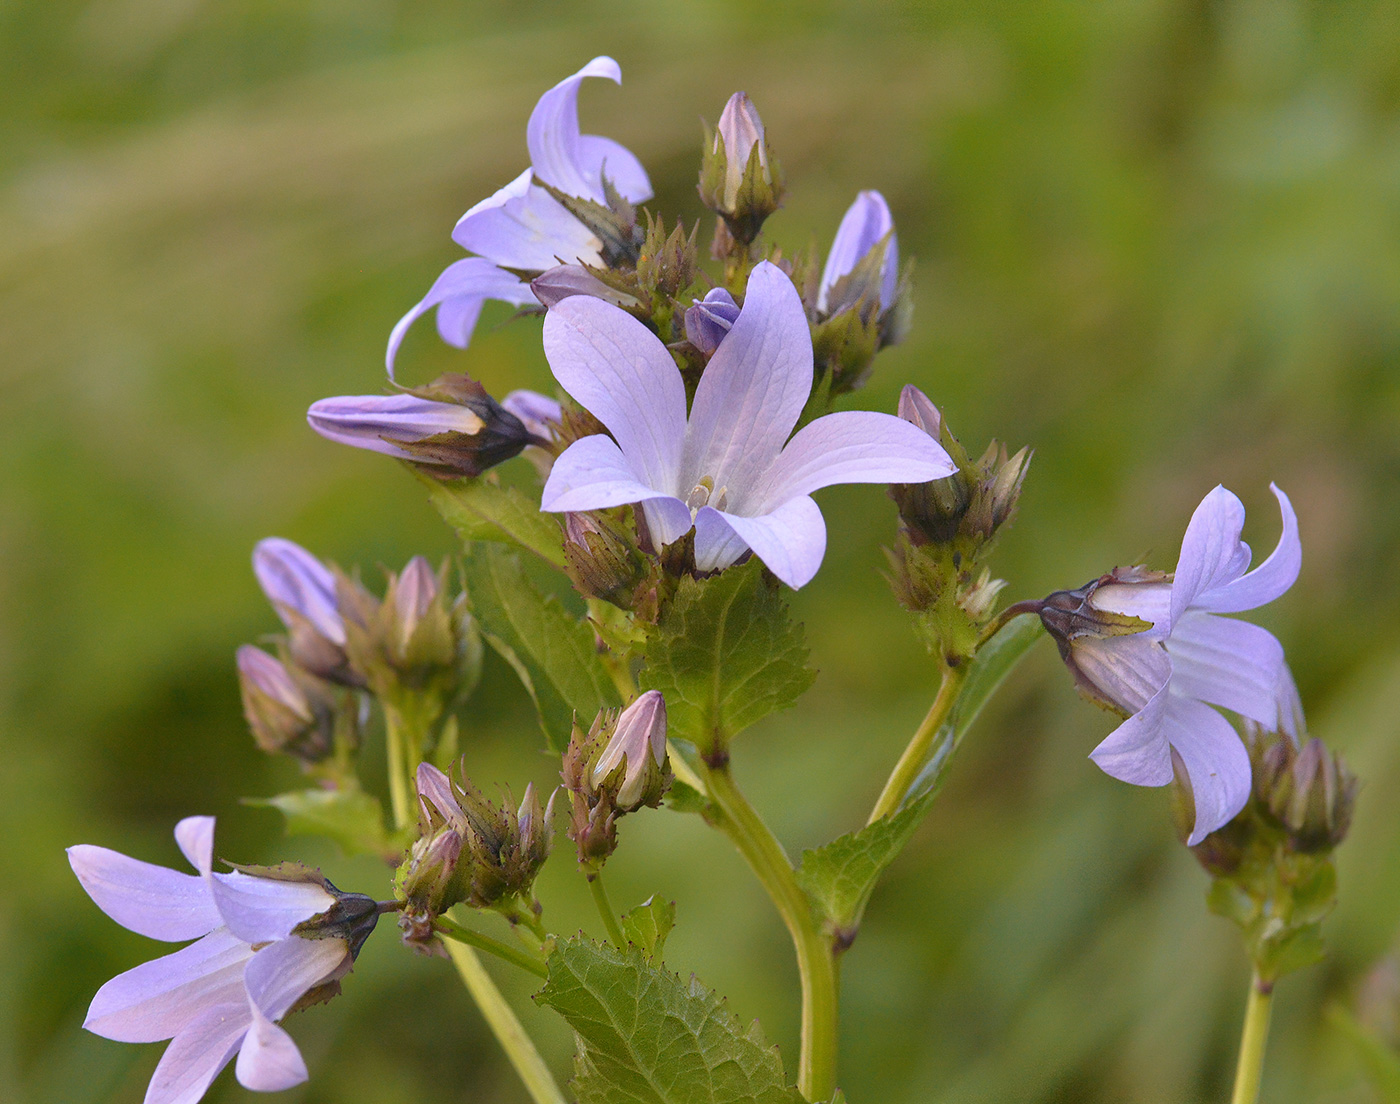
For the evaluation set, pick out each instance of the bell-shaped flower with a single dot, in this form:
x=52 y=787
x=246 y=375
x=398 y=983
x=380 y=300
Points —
x=222 y=995
x=524 y=228
x=1168 y=676
x=299 y=586
x=866 y=226
x=728 y=469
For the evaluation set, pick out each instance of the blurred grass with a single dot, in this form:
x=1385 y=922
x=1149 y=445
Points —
x=1159 y=241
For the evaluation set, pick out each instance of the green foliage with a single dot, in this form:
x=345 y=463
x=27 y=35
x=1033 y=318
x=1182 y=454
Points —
x=1279 y=901
x=1380 y=1062
x=839 y=877
x=349 y=816
x=649 y=924
x=725 y=654
x=483 y=510
x=554 y=654
x=647 y=1037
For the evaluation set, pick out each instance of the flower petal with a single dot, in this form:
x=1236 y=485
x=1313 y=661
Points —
x=157 y=999
x=196 y=1055
x=1151 y=602
x=620 y=372
x=150 y=900
x=1212 y=553
x=753 y=389
x=260 y=910
x=365 y=421
x=268 y=1060
x=1215 y=759
x=434 y=785
x=282 y=972
x=1124 y=670
x=1228 y=663
x=593 y=474
x=790 y=540
x=292 y=577
x=667 y=520
x=531 y=231
x=1267 y=581
x=1137 y=751
x=468 y=282
x=540 y=414
x=854 y=446
x=605 y=158
x=553 y=136
x=864 y=224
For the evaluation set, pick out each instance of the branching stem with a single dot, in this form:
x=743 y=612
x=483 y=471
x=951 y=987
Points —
x=514 y=955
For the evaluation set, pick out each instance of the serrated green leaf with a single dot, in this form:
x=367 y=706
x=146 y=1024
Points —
x=350 y=817
x=725 y=654
x=647 y=1037
x=649 y=924
x=482 y=510
x=555 y=654
x=839 y=877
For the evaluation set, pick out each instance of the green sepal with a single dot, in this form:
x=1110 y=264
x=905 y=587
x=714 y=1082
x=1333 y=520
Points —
x=646 y=1037
x=483 y=510
x=648 y=925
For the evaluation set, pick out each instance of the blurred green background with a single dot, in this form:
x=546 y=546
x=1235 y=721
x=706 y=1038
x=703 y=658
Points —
x=1159 y=241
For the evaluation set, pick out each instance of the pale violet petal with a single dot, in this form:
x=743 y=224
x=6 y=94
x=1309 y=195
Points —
x=293 y=579
x=667 y=520
x=1290 y=706
x=619 y=372
x=1150 y=602
x=593 y=474
x=1137 y=751
x=540 y=413
x=268 y=1060
x=717 y=545
x=605 y=158
x=864 y=224
x=1126 y=670
x=283 y=971
x=1267 y=581
x=790 y=541
x=854 y=446
x=263 y=909
x=150 y=900
x=197 y=1054
x=553 y=134
x=1211 y=552
x=1215 y=759
x=530 y=232
x=157 y=999
x=499 y=198
x=1228 y=663
x=195 y=838
x=365 y=421
x=457 y=318
x=753 y=389
x=472 y=280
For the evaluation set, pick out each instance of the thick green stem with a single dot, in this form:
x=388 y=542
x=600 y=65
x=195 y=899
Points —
x=519 y=1048
x=816 y=958
x=1250 y=1070
x=916 y=754
x=605 y=910
x=514 y=955
x=400 y=784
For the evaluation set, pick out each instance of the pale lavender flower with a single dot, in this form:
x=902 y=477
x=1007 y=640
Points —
x=222 y=994
x=639 y=741
x=710 y=319
x=729 y=469
x=299 y=586
x=1165 y=676
x=522 y=226
x=377 y=422
x=866 y=224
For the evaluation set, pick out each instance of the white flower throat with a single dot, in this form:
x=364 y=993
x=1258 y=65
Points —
x=704 y=494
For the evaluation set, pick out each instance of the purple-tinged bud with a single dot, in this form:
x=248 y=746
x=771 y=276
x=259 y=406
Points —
x=1308 y=791
x=740 y=131
x=540 y=414
x=708 y=321
x=280 y=710
x=556 y=284
x=601 y=559
x=917 y=409
x=739 y=178
x=299 y=586
x=638 y=750
x=415 y=592
x=863 y=265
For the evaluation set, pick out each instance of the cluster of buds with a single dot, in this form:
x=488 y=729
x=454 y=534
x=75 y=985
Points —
x=947 y=527
x=618 y=766
x=740 y=179
x=470 y=851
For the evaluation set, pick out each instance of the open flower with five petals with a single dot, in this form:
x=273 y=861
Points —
x=224 y=993
x=522 y=228
x=728 y=469
x=1167 y=676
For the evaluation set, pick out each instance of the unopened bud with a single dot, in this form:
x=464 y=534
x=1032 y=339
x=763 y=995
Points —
x=279 y=709
x=739 y=178
x=1309 y=791
x=601 y=559
x=638 y=751
x=863 y=265
x=932 y=511
x=740 y=132
x=709 y=320
x=667 y=262
x=303 y=592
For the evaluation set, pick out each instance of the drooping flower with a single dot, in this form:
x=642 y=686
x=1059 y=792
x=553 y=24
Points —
x=866 y=226
x=223 y=994
x=1166 y=669
x=728 y=469
x=522 y=227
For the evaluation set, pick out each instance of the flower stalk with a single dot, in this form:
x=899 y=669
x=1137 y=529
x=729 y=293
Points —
x=449 y=928
x=911 y=763
x=1250 y=1069
x=605 y=910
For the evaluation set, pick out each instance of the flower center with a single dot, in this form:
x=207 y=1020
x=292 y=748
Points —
x=704 y=494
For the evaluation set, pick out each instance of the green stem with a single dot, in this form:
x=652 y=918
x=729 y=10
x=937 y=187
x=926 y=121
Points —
x=514 y=955
x=916 y=754
x=605 y=910
x=400 y=785
x=1250 y=1070
x=519 y=1048
x=816 y=959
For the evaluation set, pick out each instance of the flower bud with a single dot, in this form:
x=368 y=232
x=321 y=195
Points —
x=863 y=265
x=739 y=178
x=667 y=263
x=281 y=711
x=540 y=414
x=601 y=559
x=451 y=428
x=302 y=592
x=708 y=321
x=1309 y=791
x=556 y=284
